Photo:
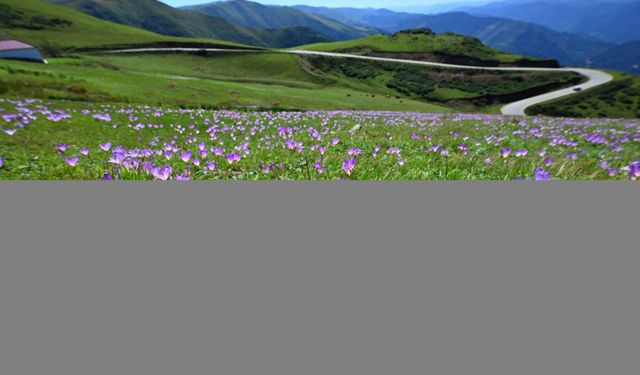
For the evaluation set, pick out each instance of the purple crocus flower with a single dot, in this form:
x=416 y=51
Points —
x=616 y=148
x=393 y=150
x=233 y=157
x=84 y=151
x=548 y=162
x=61 y=148
x=186 y=156
x=1 y=162
x=183 y=177
x=463 y=148
x=348 y=165
x=433 y=148
x=506 y=152
x=634 y=170
x=521 y=153
x=106 y=146
x=444 y=152
x=211 y=166
x=107 y=176
x=612 y=172
x=10 y=131
x=318 y=167
x=488 y=161
x=572 y=156
x=542 y=175
x=72 y=161
x=161 y=173
x=605 y=164
x=322 y=150
x=335 y=141
x=354 y=151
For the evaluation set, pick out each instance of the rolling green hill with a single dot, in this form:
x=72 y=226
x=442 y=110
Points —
x=155 y=16
x=251 y=14
x=423 y=44
x=619 y=98
x=53 y=27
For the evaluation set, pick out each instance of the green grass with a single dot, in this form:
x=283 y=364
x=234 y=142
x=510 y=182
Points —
x=450 y=44
x=31 y=153
x=65 y=29
x=619 y=98
x=264 y=80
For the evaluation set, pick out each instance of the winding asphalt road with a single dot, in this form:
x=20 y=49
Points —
x=594 y=77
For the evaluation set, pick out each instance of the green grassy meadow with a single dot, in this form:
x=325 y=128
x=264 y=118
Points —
x=619 y=98
x=450 y=44
x=74 y=140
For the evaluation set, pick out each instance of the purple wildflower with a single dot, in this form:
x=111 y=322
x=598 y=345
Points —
x=488 y=161
x=211 y=166
x=444 y=152
x=61 y=148
x=1 y=162
x=183 y=177
x=572 y=156
x=506 y=152
x=463 y=148
x=186 y=156
x=106 y=146
x=354 y=151
x=107 y=176
x=542 y=175
x=634 y=170
x=233 y=157
x=548 y=162
x=10 y=131
x=162 y=173
x=393 y=150
x=348 y=165
x=72 y=161
x=319 y=168
x=521 y=153
x=612 y=172
x=605 y=164
x=84 y=151
x=335 y=141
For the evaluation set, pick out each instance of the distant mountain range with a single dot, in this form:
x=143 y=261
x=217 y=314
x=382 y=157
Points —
x=566 y=30
x=614 y=21
x=155 y=16
x=251 y=14
x=507 y=35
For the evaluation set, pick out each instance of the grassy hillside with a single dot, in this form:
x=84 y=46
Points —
x=227 y=81
x=271 y=80
x=421 y=41
x=251 y=14
x=53 y=27
x=515 y=36
x=155 y=16
x=619 y=98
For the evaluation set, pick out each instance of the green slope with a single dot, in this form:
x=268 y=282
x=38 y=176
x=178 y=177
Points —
x=251 y=14
x=422 y=43
x=53 y=27
x=155 y=16
x=619 y=98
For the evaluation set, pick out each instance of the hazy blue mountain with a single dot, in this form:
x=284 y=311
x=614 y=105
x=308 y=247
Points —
x=383 y=19
x=625 y=57
x=615 y=21
x=155 y=16
x=516 y=36
x=255 y=15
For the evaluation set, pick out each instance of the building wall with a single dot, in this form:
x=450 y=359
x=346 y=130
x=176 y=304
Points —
x=23 y=54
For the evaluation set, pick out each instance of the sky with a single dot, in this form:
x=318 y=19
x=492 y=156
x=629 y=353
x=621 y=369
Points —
x=335 y=3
